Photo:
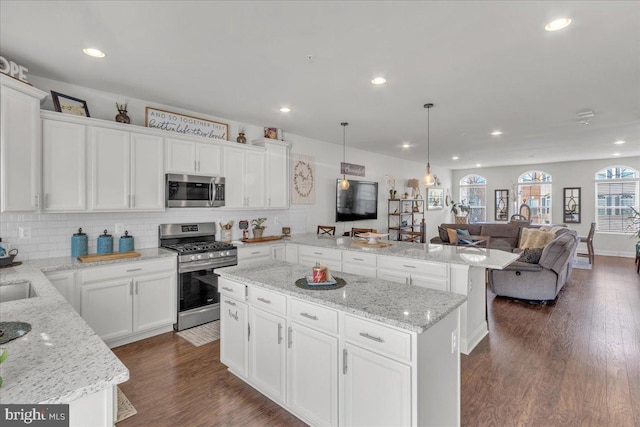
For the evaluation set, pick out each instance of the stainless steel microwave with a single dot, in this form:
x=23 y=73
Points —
x=193 y=191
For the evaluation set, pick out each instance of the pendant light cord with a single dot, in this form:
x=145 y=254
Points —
x=428 y=134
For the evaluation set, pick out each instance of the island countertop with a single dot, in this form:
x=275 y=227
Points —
x=61 y=359
x=404 y=306
x=473 y=256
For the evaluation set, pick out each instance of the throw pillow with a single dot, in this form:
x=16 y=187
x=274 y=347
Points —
x=532 y=238
x=461 y=239
x=453 y=236
x=442 y=232
x=531 y=255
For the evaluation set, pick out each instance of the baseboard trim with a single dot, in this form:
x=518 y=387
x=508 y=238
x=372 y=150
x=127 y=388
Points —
x=467 y=346
x=117 y=342
x=616 y=253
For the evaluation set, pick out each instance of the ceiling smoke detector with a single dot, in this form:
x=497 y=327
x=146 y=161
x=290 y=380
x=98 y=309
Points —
x=585 y=116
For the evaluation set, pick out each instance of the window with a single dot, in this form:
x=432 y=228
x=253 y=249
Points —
x=616 y=190
x=473 y=190
x=534 y=190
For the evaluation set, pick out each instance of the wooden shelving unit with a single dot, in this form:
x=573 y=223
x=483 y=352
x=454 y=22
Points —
x=404 y=219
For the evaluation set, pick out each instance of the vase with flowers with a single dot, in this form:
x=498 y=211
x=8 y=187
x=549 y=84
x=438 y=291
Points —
x=461 y=211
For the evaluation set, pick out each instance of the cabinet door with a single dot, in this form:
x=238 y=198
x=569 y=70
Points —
x=254 y=179
x=429 y=282
x=234 y=175
x=277 y=176
x=377 y=389
x=20 y=140
x=110 y=169
x=267 y=353
x=107 y=307
x=154 y=302
x=147 y=172
x=209 y=159
x=64 y=158
x=234 y=338
x=181 y=156
x=65 y=283
x=358 y=269
x=313 y=375
x=393 y=276
x=278 y=252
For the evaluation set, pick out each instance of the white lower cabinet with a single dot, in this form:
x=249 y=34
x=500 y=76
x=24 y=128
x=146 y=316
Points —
x=377 y=390
x=311 y=255
x=267 y=353
x=65 y=283
x=130 y=301
x=234 y=336
x=425 y=274
x=312 y=387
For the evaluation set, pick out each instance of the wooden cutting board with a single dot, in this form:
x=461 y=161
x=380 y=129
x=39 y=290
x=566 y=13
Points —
x=108 y=257
x=262 y=239
x=375 y=245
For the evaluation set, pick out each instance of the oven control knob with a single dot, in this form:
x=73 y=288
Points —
x=211 y=254
x=199 y=257
x=222 y=253
x=228 y=253
x=193 y=257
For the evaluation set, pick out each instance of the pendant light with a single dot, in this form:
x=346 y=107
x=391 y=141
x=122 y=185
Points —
x=428 y=179
x=344 y=183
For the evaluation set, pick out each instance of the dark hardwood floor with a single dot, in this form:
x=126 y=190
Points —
x=574 y=362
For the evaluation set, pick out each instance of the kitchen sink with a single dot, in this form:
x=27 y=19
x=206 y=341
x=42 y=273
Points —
x=16 y=291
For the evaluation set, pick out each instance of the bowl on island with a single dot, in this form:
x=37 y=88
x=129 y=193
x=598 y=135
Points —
x=372 y=238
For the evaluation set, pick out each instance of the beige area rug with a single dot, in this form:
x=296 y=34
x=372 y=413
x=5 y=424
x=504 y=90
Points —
x=203 y=334
x=125 y=408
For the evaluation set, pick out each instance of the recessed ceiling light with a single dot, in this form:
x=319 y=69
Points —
x=285 y=110
x=496 y=133
x=616 y=154
x=620 y=142
x=96 y=53
x=558 y=24
x=455 y=158
x=478 y=165
x=379 y=81
x=406 y=145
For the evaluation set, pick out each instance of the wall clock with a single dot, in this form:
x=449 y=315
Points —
x=303 y=179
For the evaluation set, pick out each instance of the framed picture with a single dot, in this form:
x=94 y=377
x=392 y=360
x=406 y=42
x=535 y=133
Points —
x=435 y=198
x=271 y=133
x=571 y=204
x=502 y=205
x=69 y=105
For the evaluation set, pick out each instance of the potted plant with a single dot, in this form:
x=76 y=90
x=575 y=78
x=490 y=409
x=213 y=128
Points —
x=258 y=228
x=460 y=210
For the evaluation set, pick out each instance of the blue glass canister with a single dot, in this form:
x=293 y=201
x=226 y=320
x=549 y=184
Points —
x=105 y=243
x=79 y=244
x=126 y=243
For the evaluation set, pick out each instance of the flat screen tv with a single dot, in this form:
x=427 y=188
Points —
x=358 y=202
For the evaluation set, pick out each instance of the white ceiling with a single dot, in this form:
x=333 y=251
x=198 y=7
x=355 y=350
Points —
x=484 y=64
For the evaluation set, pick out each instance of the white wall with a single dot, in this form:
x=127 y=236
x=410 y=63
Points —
x=563 y=174
x=51 y=233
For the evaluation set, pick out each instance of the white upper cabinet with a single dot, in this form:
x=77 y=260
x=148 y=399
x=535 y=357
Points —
x=147 y=172
x=64 y=181
x=109 y=169
x=244 y=175
x=188 y=157
x=277 y=174
x=20 y=146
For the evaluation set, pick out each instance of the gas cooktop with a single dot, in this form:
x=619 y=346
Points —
x=198 y=247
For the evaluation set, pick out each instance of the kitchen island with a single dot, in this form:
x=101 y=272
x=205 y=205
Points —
x=456 y=269
x=372 y=352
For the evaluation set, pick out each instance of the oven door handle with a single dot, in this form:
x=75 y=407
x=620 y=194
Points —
x=198 y=265
x=211 y=191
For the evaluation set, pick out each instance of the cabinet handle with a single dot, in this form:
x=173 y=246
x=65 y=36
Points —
x=195 y=169
x=290 y=337
x=371 y=337
x=409 y=266
x=344 y=362
x=134 y=269
x=358 y=259
x=410 y=280
x=255 y=253
x=266 y=301
x=309 y=316
x=131 y=287
x=248 y=331
x=317 y=253
x=227 y=289
x=279 y=333
x=198 y=165
x=37 y=201
x=230 y=303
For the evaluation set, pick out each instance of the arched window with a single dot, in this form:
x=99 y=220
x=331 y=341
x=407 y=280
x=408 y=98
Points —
x=616 y=191
x=534 y=190
x=473 y=191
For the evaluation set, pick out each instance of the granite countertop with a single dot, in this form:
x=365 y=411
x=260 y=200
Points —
x=477 y=257
x=61 y=359
x=404 y=306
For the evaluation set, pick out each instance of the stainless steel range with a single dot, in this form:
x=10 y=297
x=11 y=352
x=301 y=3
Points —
x=198 y=256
